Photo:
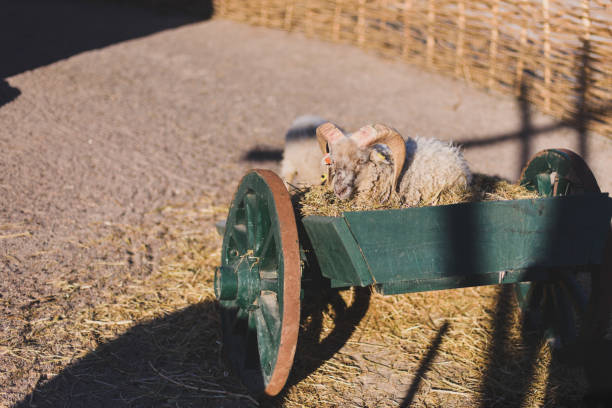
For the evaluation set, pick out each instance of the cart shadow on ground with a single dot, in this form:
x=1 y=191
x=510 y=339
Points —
x=425 y=365
x=315 y=345
x=177 y=359
x=174 y=360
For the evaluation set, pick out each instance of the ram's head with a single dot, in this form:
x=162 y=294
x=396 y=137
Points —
x=371 y=157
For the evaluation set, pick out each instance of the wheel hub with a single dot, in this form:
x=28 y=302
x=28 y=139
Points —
x=239 y=282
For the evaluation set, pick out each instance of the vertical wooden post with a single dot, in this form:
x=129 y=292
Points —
x=336 y=22
x=460 y=38
x=221 y=7
x=547 y=68
x=288 y=15
x=361 y=23
x=406 y=17
x=309 y=19
x=263 y=13
x=493 y=45
x=586 y=20
x=520 y=65
x=583 y=79
x=431 y=18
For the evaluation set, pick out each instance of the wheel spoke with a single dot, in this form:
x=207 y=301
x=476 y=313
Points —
x=240 y=215
x=268 y=303
x=564 y=186
x=262 y=250
x=269 y=281
x=267 y=344
x=238 y=238
x=264 y=222
x=544 y=185
x=268 y=270
x=269 y=254
x=252 y=222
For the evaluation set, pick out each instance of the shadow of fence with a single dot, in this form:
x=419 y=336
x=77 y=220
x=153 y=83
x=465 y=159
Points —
x=584 y=113
x=425 y=365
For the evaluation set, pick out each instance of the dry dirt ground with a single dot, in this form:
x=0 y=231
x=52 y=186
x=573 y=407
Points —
x=103 y=142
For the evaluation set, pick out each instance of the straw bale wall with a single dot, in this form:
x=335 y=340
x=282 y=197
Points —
x=555 y=53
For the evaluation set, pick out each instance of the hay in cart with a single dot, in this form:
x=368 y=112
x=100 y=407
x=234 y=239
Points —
x=320 y=200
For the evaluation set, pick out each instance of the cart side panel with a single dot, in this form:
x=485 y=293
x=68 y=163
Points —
x=337 y=252
x=453 y=282
x=478 y=238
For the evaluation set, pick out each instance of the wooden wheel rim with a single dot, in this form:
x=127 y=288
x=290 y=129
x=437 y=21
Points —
x=292 y=282
x=275 y=365
x=579 y=179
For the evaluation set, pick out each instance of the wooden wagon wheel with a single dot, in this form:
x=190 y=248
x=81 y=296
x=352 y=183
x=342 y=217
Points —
x=564 y=307
x=258 y=283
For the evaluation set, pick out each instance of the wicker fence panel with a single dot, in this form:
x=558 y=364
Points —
x=555 y=53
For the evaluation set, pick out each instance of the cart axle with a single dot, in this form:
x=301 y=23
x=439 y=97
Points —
x=244 y=281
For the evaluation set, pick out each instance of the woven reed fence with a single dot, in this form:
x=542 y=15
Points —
x=555 y=53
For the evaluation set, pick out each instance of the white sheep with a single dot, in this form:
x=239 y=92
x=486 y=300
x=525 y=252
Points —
x=375 y=162
x=301 y=157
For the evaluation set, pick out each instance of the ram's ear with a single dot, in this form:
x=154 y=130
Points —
x=381 y=153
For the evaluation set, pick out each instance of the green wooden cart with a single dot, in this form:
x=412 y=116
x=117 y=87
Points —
x=552 y=248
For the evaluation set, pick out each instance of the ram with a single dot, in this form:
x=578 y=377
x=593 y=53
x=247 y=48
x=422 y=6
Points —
x=375 y=162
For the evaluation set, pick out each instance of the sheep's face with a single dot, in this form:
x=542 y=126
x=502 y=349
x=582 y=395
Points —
x=368 y=161
x=347 y=160
x=375 y=180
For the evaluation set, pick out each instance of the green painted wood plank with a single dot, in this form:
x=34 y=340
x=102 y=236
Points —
x=340 y=284
x=452 y=282
x=477 y=238
x=337 y=252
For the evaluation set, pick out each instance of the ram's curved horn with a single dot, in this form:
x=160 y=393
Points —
x=372 y=134
x=327 y=133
